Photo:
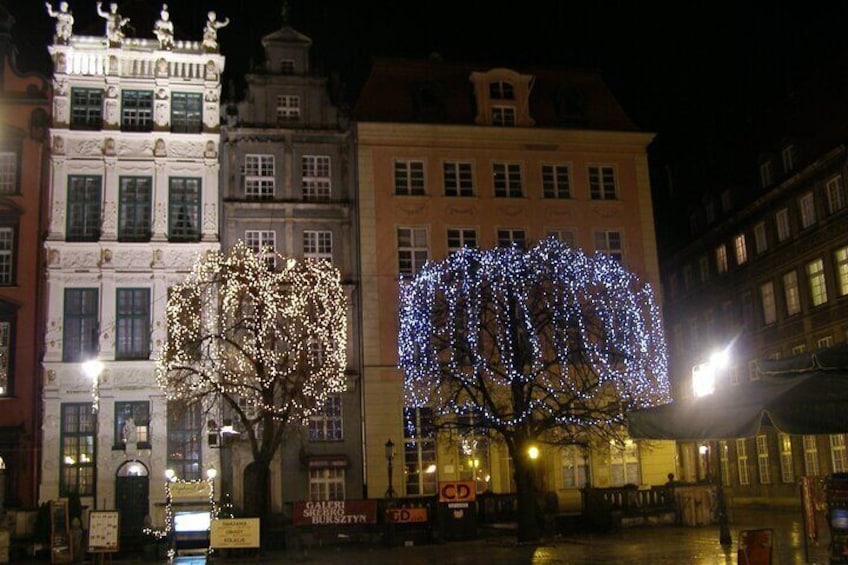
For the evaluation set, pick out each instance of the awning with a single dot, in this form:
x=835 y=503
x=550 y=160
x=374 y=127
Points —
x=801 y=395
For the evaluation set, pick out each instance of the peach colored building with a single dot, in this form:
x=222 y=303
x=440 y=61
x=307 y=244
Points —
x=456 y=154
x=24 y=117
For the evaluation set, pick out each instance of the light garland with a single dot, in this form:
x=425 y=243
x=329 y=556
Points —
x=547 y=337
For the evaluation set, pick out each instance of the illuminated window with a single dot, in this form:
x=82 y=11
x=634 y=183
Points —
x=721 y=259
x=507 y=180
x=461 y=237
x=185 y=427
x=327 y=484
x=409 y=178
x=815 y=277
x=841 y=260
x=798 y=349
x=78 y=453
x=556 y=182
x=8 y=172
x=811 y=455
x=7 y=255
x=807 y=208
x=610 y=243
x=787 y=472
x=264 y=244
x=573 y=467
x=835 y=194
x=259 y=176
x=791 y=293
x=741 y=249
x=137 y=110
x=318 y=244
x=412 y=250
x=419 y=453
x=763 y=460
x=326 y=424
x=132 y=423
x=837 y=453
x=316 y=177
x=624 y=464
x=781 y=219
x=288 y=107
x=742 y=462
x=725 y=463
x=824 y=342
x=768 y=303
x=458 y=178
x=602 y=182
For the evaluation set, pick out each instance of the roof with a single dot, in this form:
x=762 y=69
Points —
x=806 y=394
x=393 y=86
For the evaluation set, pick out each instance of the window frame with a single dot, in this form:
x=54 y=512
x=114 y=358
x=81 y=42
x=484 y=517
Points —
x=259 y=176
x=459 y=237
x=326 y=483
x=605 y=243
x=137 y=110
x=133 y=408
x=791 y=292
x=412 y=254
x=760 y=238
x=288 y=107
x=132 y=319
x=835 y=193
x=318 y=244
x=817 y=282
x=768 y=303
x=84 y=208
x=409 y=177
x=8 y=254
x=458 y=178
x=807 y=210
x=10 y=165
x=186 y=112
x=316 y=178
x=556 y=181
x=781 y=221
x=135 y=208
x=840 y=264
x=80 y=326
x=812 y=466
x=742 y=462
x=86 y=109
x=78 y=441
x=185 y=440
x=763 y=460
x=327 y=424
x=507 y=180
x=8 y=326
x=603 y=182
x=257 y=241
x=181 y=195
x=419 y=451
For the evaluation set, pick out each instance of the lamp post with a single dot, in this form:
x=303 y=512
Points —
x=390 y=455
x=93 y=368
x=703 y=383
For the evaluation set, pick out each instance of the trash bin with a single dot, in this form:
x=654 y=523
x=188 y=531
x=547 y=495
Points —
x=457 y=520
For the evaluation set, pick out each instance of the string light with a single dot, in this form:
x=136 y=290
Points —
x=273 y=341
x=548 y=337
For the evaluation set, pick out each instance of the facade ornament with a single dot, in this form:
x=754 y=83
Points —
x=163 y=29
x=64 y=22
x=210 y=31
x=114 y=23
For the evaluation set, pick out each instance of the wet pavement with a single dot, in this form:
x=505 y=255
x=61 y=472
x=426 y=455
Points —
x=695 y=545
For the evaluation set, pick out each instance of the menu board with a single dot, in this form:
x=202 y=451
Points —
x=103 y=529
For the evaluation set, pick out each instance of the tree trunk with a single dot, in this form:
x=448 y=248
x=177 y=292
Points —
x=257 y=490
x=528 y=508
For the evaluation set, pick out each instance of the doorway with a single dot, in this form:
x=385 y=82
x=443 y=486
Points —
x=132 y=489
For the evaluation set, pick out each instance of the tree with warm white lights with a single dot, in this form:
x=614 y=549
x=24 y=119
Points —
x=547 y=345
x=265 y=339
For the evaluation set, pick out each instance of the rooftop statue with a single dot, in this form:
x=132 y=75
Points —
x=163 y=29
x=64 y=22
x=210 y=32
x=114 y=23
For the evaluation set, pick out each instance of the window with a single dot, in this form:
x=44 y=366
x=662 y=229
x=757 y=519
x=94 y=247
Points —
x=7 y=256
x=837 y=453
x=134 y=208
x=807 y=208
x=568 y=237
x=811 y=456
x=624 y=464
x=768 y=303
x=501 y=90
x=80 y=324
x=316 y=177
x=765 y=174
x=86 y=108
x=184 y=209
x=740 y=248
x=835 y=194
x=6 y=333
x=503 y=116
x=409 y=178
x=609 y=243
x=288 y=107
x=687 y=276
x=573 y=467
x=419 y=451
x=508 y=237
x=815 y=277
x=76 y=469
x=781 y=219
x=185 y=433
x=327 y=484
x=8 y=172
x=412 y=250
x=724 y=462
x=507 y=180
x=824 y=342
x=721 y=259
x=186 y=112
x=841 y=260
x=791 y=293
x=602 y=185
x=555 y=181
x=264 y=244
x=287 y=67
x=704 y=268
x=132 y=424
x=326 y=424
x=760 y=240
x=787 y=156
x=763 y=460
x=461 y=237
x=137 y=110
x=132 y=331
x=458 y=178
x=742 y=462
x=726 y=201
x=318 y=244
x=259 y=177
x=83 y=208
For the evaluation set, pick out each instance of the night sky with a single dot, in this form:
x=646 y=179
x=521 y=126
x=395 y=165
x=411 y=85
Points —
x=690 y=71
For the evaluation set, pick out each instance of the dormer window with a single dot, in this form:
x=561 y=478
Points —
x=765 y=174
x=788 y=157
x=287 y=66
x=501 y=90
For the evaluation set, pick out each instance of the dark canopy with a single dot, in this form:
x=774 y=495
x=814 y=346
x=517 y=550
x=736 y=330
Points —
x=806 y=394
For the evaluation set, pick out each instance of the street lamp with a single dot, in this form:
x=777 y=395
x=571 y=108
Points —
x=93 y=368
x=390 y=455
x=703 y=383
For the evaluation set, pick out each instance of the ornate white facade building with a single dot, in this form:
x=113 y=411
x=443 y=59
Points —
x=134 y=201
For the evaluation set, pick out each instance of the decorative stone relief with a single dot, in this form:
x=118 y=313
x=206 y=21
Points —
x=133 y=259
x=51 y=376
x=86 y=147
x=459 y=210
x=81 y=259
x=411 y=210
x=58 y=145
x=110 y=115
x=57 y=217
x=53 y=336
x=211 y=71
x=158 y=336
x=159 y=149
x=210 y=218
x=211 y=95
x=105 y=258
x=605 y=211
x=183 y=149
x=210 y=151
x=559 y=213
x=109 y=146
x=157 y=259
x=161 y=67
x=511 y=210
x=161 y=113
x=61 y=110
x=135 y=147
x=54 y=257
x=159 y=218
x=62 y=63
x=60 y=87
x=210 y=115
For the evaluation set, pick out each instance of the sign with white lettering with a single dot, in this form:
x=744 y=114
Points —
x=234 y=533
x=190 y=490
x=103 y=529
x=319 y=512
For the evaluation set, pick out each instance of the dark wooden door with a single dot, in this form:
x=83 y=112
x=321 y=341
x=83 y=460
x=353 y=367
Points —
x=131 y=494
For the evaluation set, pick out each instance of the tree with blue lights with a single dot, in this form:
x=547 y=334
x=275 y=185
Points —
x=546 y=345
